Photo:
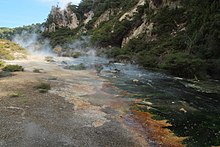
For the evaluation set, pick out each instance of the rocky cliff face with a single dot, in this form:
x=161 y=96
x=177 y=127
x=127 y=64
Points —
x=130 y=13
x=89 y=16
x=59 y=18
x=66 y=18
x=104 y=17
x=147 y=25
x=144 y=28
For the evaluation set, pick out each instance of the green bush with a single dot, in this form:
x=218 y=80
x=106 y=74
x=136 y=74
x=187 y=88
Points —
x=147 y=60
x=115 y=52
x=43 y=87
x=1 y=63
x=184 y=65
x=13 y=68
x=76 y=54
x=80 y=66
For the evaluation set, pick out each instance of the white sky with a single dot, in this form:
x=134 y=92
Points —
x=62 y=3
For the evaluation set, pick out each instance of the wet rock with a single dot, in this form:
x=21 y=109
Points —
x=64 y=62
x=80 y=66
x=114 y=71
x=135 y=80
x=147 y=103
x=49 y=59
x=183 y=110
x=36 y=70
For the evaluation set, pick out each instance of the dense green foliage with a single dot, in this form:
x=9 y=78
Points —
x=6 y=33
x=60 y=37
x=187 y=38
x=9 y=33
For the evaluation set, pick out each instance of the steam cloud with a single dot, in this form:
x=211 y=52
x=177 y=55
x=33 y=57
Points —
x=62 y=3
x=31 y=42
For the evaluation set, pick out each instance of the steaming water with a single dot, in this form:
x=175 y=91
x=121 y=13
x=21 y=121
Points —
x=191 y=112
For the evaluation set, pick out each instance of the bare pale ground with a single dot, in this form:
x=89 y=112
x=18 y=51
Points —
x=81 y=109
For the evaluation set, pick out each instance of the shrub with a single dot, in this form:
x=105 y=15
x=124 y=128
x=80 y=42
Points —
x=184 y=65
x=15 y=95
x=37 y=70
x=80 y=66
x=76 y=55
x=147 y=60
x=1 y=64
x=13 y=68
x=115 y=52
x=43 y=87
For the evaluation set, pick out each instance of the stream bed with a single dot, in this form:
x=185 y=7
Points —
x=193 y=111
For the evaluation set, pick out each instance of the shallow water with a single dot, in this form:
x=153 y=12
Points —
x=192 y=112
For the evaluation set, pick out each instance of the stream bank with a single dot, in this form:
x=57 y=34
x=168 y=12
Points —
x=117 y=103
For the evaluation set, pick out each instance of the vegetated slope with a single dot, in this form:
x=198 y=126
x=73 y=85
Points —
x=181 y=36
x=10 y=50
x=9 y=33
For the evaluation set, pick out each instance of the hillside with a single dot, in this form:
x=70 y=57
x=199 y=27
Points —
x=128 y=73
x=9 y=33
x=10 y=50
x=180 y=36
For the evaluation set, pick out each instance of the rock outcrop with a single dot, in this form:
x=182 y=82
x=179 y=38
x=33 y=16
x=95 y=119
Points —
x=88 y=16
x=145 y=28
x=59 y=18
x=104 y=17
x=130 y=13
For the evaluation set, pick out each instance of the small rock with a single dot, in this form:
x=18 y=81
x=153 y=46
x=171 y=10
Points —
x=49 y=59
x=98 y=123
x=183 y=110
x=147 y=103
x=64 y=62
x=135 y=80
